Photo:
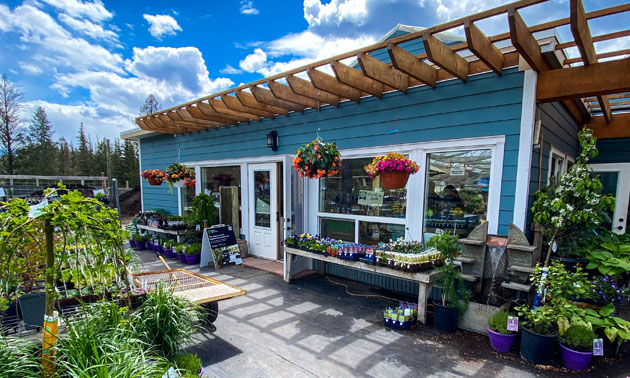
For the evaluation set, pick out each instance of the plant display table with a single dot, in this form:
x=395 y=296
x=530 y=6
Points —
x=424 y=279
x=178 y=233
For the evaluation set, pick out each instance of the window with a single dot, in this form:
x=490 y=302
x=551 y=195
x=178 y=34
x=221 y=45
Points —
x=188 y=194
x=457 y=187
x=262 y=199
x=214 y=177
x=353 y=196
x=559 y=164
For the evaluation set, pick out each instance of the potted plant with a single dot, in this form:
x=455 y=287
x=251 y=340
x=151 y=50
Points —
x=539 y=333
x=179 y=175
x=189 y=363
x=576 y=343
x=394 y=170
x=317 y=159
x=181 y=252
x=193 y=254
x=202 y=212
x=501 y=339
x=154 y=176
x=454 y=300
x=139 y=242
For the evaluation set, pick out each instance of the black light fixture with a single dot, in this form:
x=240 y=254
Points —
x=272 y=140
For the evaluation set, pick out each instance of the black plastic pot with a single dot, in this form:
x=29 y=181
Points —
x=444 y=318
x=536 y=348
x=32 y=308
x=570 y=262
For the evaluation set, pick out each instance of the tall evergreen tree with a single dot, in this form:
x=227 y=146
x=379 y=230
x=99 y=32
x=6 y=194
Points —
x=64 y=158
x=37 y=157
x=130 y=163
x=83 y=154
x=151 y=105
x=10 y=132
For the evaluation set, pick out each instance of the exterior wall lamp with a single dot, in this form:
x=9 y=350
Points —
x=272 y=140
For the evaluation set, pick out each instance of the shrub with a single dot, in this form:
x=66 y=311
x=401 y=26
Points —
x=498 y=322
x=188 y=363
x=578 y=337
x=165 y=321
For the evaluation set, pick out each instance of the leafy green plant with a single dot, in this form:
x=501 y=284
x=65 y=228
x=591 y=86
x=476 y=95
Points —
x=202 y=210
x=576 y=202
x=605 y=323
x=179 y=248
x=611 y=257
x=193 y=249
x=453 y=291
x=18 y=358
x=165 y=321
x=188 y=363
x=578 y=337
x=498 y=322
x=138 y=238
x=541 y=320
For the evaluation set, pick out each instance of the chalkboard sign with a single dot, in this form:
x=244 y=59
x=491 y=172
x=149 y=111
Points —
x=221 y=236
x=219 y=244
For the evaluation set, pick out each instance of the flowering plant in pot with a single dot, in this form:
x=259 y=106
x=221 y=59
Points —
x=154 y=176
x=576 y=342
x=193 y=253
x=393 y=168
x=179 y=175
x=454 y=300
x=317 y=159
x=501 y=339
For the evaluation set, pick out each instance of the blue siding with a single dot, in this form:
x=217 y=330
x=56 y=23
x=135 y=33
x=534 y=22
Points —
x=613 y=151
x=486 y=105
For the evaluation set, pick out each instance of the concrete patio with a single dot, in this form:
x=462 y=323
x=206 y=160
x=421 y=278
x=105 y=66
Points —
x=314 y=328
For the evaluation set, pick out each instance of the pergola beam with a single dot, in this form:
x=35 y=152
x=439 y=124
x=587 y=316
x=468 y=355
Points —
x=524 y=42
x=584 y=42
x=203 y=110
x=618 y=127
x=233 y=103
x=307 y=89
x=582 y=81
x=220 y=107
x=439 y=53
x=481 y=46
x=266 y=97
x=354 y=78
x=328 y=83
x=284 y=92
x=381 y=72
x=408 y=63
x=247 y=99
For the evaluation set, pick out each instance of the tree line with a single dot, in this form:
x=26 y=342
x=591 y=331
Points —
x=29 y=148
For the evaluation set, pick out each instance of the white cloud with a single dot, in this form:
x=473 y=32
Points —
x=93 y=10
x=5 y=13
x=253 y=62
x=31 y=69
x=89 y=28
x=229 y=70
x=335 y=12
x=247 y=7
x=161 y=25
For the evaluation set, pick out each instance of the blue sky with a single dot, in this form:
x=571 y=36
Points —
x=95 y=62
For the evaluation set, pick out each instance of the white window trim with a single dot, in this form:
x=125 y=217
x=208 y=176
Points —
x=416 y=184
x=566 y=158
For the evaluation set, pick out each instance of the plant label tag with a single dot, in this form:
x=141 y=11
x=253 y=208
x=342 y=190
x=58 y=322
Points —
x=512 y=324
x=407 y=312
x=598 y=347
x=197 y=227
x=554 y=247
x=170 y=373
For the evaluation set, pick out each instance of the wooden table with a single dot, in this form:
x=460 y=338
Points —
x=178 y=233
x=424 y=279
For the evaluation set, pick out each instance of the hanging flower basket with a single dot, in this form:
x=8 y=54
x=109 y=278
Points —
x=317 y=159
x=154 y=176
x=393 y=168
x=178 y=175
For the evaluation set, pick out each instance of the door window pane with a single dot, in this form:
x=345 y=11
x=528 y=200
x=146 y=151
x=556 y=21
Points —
x=353 y=192
x=262 y=199
x=609 y=186
x=456 y=197
x=374 y=233
x=337 y=229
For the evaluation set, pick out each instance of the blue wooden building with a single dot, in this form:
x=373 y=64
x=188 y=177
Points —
x=490 y=120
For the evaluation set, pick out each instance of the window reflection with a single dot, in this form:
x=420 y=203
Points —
x=457 y=191
x=374 y=233
x=214 y=177
x=262 y=199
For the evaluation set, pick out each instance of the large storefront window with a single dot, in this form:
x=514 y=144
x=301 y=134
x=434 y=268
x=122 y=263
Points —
x=457 y=186
x=353 y=192
x=214 y=177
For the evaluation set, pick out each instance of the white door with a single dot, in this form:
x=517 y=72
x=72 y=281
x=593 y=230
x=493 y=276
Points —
x=615 y=178
x=263 y=204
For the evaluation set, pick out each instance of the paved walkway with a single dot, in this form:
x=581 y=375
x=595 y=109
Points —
x=313 y=328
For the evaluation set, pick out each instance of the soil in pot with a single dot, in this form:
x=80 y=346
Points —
x=445 y=318
x=500 y=342
x=536 y=348
x=573 y=359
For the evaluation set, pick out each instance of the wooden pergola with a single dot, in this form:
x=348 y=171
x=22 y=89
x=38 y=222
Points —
x=596 y=93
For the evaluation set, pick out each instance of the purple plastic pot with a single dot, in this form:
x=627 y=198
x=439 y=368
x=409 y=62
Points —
x=140 y=246
x=181 y=257
x=132 y=243
x=193 y=259
x=159 y=249
x=150 y=245
x=201 y=372
x=500 y=342
x=574 y=359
